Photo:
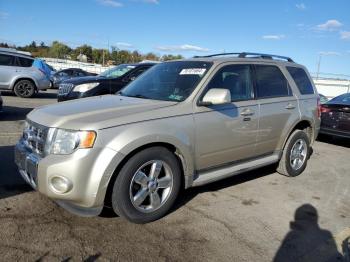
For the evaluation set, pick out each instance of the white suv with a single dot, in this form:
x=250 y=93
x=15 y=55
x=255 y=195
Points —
x=18 y=74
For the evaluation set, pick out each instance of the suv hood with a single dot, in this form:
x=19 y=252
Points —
x=99 y=112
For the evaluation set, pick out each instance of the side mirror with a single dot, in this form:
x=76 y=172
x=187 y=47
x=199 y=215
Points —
x=216 y=96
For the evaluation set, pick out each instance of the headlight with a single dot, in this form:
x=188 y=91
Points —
x=64 y=142
x=85 y=87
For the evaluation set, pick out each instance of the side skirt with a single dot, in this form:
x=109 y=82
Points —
x=212 y=175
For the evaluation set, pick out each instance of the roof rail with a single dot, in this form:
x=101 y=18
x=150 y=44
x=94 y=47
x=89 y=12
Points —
x=12 y=50
x=245 y=54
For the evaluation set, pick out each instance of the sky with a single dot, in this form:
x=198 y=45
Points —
x=303 y=30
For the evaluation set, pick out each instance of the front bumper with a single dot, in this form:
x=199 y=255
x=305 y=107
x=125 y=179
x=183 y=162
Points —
x=89 y=171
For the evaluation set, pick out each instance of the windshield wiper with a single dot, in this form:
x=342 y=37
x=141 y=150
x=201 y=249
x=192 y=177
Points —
x=139 y=96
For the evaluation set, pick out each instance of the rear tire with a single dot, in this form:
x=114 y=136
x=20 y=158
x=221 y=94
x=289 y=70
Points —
x=295 y=154
x=24 y=89
x=147 y=185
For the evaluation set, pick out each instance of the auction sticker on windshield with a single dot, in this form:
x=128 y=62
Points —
x=193 y=71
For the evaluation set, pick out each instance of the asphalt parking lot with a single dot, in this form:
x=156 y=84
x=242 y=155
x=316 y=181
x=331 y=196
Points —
x=256 y=216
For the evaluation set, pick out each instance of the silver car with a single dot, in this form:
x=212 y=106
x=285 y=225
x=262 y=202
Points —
x=183 y=123
x=18 y=75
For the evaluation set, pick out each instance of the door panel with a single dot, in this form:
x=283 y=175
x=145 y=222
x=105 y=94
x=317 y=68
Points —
x=276 y=116
x=223 y=135
x=228 y=133
x=278 y=107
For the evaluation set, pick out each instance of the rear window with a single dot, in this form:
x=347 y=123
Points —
x=25 y=62
x=301 y=80
x=6 y=60
x=271 y=82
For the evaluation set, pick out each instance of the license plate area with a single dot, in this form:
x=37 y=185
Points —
x=28 y=165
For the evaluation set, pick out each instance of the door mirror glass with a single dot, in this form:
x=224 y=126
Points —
x=216 y=96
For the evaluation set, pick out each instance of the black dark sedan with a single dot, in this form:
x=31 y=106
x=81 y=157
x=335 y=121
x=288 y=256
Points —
x=109 y=82
x=335 y=116
x=69 y=73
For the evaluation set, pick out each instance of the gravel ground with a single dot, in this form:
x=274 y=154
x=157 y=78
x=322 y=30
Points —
x=256 y=216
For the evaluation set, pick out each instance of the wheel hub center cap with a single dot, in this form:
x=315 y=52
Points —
x=152 y=185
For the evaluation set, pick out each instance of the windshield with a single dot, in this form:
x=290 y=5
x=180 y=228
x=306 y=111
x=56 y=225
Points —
x=117 y=71
x=170 y=81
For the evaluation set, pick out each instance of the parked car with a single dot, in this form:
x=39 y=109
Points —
x=182 y=123
x=335 y=116
x=69 y=73
x=323 y=99
x=109 y=82
x=18 y=74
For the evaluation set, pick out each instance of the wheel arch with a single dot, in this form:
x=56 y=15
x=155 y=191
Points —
x=172 y=148
x=24 y=78
x=302 y=124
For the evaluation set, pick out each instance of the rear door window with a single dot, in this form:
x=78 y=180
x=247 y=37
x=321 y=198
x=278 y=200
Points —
x=301 y=80
x=271 y=82
x=7 y=60
x=25 y=62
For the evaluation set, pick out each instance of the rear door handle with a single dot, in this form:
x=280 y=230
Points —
x=247 y=112
x=290 y=106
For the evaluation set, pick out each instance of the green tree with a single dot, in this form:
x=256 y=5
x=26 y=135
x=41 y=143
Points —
x=59 y=50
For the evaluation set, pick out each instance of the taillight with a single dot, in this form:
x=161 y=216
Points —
x=319 y=107
x=325 y=109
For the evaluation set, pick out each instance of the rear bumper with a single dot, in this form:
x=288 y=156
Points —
x=334 y=132
x=43 y=83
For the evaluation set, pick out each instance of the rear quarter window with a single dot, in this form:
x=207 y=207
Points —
x=25 y=62
x=271 y=82
x=301 y=80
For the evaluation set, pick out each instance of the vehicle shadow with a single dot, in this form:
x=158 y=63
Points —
x=51 y=94
x=11 y=183
x=189 y=194
x=306 y=241
x=337 y=141
x=12 y=113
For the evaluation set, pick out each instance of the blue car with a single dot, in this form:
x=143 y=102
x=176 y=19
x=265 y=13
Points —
x=43 y=67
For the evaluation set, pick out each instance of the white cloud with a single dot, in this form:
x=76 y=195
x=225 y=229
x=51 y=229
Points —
x=3 y=15
x=301 y=6
x=273 y=37
x=345 y=35
x=111 y=3
x=147 y=1
x=184 y=47
x=124 y=45
x=330 y=53
x=151 y=1
x=330 y=25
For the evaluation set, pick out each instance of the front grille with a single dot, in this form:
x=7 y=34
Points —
x=34 y=137
x=65 y=88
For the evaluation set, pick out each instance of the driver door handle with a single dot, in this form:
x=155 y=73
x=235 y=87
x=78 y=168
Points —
x=290 y=106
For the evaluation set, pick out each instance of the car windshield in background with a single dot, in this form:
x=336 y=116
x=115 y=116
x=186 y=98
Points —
x=170 y=81
x=117 y=71
x=342 y=99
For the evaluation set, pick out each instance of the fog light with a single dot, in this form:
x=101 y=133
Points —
x=60 y=184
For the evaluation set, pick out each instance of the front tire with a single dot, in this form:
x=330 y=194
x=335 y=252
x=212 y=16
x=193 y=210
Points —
x=295 y=154
x=147 y=185
x=24 y=89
